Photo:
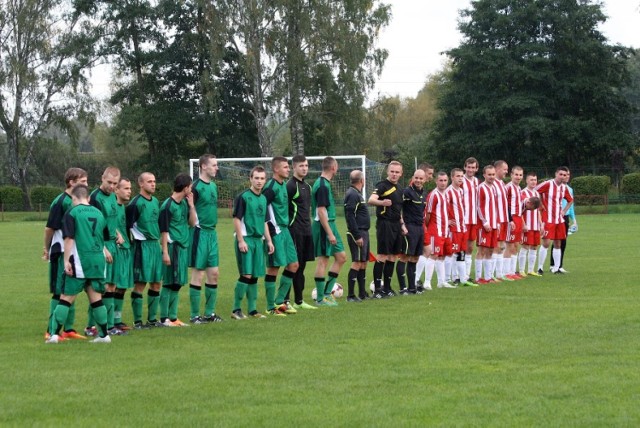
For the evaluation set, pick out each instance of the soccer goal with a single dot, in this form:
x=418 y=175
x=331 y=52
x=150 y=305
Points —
x=233 y=174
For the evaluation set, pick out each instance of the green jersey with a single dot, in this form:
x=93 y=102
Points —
x=277 y=205
x=142 y=218
x=205 y=199
x=108 y=205
x=86 y=225
x=251 y=210
x=174 y=219
x=58 y=208
x=322 y=196
x=122 y=226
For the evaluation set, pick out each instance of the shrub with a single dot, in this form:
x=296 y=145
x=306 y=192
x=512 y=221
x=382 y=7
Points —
x=11 y=198
x=44 y=195
x=591 y=185
x=163 y=191
x=631 y=184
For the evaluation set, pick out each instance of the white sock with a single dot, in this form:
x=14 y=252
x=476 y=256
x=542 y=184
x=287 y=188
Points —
x=448 y=264
x=428 y=271
x=557 y=253
x=542 y=256
x=420 y=265
x=514 y=264
x=488 y=268
x=461 y=267
x=479 y=268
x=440 y=271
x=532 y=259
x=522 y=261
x=497 y=265
x=468 y=261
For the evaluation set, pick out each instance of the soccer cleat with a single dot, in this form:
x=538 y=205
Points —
x=326 y=302
x=506 y=278
x=391 y=293
x=179 y=323
x=562 y=270
x=197 y=320
x=513 y=277
x=91 y=331
x=540 y=272
x=404 y=292
x=277 y=312
x=332 y=299
x=139 y=326
x=535 y=274
x=304 y=305
x=72 y=334
x=53 y=339
x=154 y=323
x=256 y=314
x=288 y=309
x=354 y=299
x=212 y=318
x=483 y=281
x=238 y=315
x=420 y=290
x=470 y=283
x=379 y=295
x=122 y=326
x=365 y=296
x=105 y=339
x=168 y=323
x=522 y=275
x=46 y=336
x=115 y=331
x=446 y=285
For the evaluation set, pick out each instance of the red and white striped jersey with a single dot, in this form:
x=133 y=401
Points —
x=487 y=205
x=439 y=218
x=455 y=209
x=531 y=217
x=514 y=199
x=501 y=201
x=552 y=195
x=470 y=200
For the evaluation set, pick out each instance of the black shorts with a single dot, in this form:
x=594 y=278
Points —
x=304 y=246
x=413 y=240
x=389 y=236
x=359 y=254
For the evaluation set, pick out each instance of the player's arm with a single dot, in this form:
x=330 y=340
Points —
x=237 y=227
x=164 y=221
x=69 y=243
x=164 y=244
x=323 y=216
x=267 y=237
x=48 y=237
x=375 y=200
x=193 y=215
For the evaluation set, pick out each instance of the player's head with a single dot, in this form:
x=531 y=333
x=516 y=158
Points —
x=471 y=166
x=562 y=174
x=357 y=178
x=489 y=174
x=418 y=179
x=208 y=166
x=532 y=180
x=502 y=168
x=300 y=166
x=428 y=171
x=80 y=194
x=147 y=183
x=516 y=174
x=75 y=176
x=532 y=203
x=123 y=191
x=280 y=167
x=442 y=180
x=457 y=176
x=182 y=182
x=394 y=171
x=110 y=179
x=257 y=177
x=329 y=164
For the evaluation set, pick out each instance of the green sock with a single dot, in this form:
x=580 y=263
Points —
x=153 y=300
x=59 y=317
x=136 y=306
x=52 y=308
x=71 y=318
x=194 y=299
x=270 y=291
x=211 y=298
x=285 y=285
x=252 y=297
x=107 y=301
x=165 y=294
x=90 y=321
x=330 y=283
x=320 y=284
x=174 y=301
x=100 y=315
x=239 y=292
x=118 y=303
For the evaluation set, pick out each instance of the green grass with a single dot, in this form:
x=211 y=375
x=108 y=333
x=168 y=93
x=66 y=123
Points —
x=557 y=350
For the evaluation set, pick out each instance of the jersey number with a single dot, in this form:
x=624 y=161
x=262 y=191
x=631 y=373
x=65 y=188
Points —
x=94 y=223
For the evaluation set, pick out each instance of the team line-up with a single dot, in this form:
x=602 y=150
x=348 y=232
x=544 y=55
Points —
x=104 y=242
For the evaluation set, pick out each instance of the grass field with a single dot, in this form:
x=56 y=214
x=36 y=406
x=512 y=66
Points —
x=551 y=351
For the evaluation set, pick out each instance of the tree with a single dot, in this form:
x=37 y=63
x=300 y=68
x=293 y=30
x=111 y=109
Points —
x=533 y=81
x=45 y=48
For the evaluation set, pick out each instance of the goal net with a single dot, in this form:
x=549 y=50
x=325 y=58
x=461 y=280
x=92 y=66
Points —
x=233 y=175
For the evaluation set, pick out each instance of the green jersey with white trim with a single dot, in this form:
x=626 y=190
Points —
x=108 y=205
x=205 y=199
x=142 y=218
x=86 y=225
x=174 y=219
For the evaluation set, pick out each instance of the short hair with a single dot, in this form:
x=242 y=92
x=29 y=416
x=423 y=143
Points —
x=395 y=162
x=141 y=176
x=204 y=159
x=257 y=168
x=517 y=168
x=112 y=171
x=356 y=176
x=535 y=201
x=73 y=174
x=471 y=160
x=181 y=182
x=123 y=179
x=327 y=163
x=80 y=191
x=277 y=160
x=425 y=166
x=298 y=159
x=454 y=170
x=487 y=167
x=562 y=168
x=499 y=163
x=441 y=173
x=532 y=174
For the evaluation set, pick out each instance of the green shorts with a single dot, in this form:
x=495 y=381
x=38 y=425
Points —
x=111 y=272
x=147 y=261
x=73 y=286
x=178 y=271
x=56 y=273
x=124 y=268
x=284 y=250
x=204 y=248
x=321 y=244
x=253 y=261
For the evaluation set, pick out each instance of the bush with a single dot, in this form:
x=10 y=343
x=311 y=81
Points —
x=163 y=191
x=591 y=185
x=11 y=198
x=44 y=195
x=630 y=184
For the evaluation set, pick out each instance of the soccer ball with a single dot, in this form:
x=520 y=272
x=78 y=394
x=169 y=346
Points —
x=314 y=294
x=337 y=290
x=372 y=286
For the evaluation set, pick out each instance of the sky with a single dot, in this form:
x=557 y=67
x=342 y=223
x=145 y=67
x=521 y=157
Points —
x=421 y=29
